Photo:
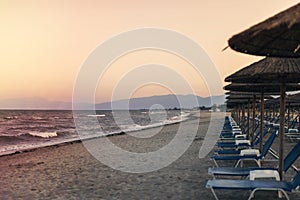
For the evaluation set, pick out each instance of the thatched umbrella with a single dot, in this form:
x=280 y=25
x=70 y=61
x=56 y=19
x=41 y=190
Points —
x=271 y=89
x=275 y=71
x=244 y=95
x=269 y=70
x=277 y=36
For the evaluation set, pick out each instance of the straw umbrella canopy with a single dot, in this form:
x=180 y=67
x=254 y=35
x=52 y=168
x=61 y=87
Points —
x=269 y=70
x=239 y=96
x=248 y=95
x=277 y=36
x=277 y=72
x=259 y=88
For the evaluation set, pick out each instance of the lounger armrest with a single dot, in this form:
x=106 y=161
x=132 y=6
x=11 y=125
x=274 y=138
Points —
x=242 y=136
x=255 y=174
x=249 y=152
x=238 y=142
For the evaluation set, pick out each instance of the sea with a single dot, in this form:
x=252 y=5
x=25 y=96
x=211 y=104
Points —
x=22 y=130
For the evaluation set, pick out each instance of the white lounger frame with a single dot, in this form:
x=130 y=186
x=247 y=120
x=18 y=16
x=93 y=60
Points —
x=253 y=191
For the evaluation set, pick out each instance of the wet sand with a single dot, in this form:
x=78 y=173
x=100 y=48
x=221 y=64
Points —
x=68 y=171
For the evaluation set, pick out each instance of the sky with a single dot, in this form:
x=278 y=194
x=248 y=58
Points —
x=45 y=43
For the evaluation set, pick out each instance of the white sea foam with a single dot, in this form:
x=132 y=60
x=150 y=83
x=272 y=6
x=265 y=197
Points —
x=37 y=118
x=99 y=115
x=43 y=134
x=10 y=117
x=131 y=129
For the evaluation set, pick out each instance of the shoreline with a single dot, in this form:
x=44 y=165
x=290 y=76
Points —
x=79 y=140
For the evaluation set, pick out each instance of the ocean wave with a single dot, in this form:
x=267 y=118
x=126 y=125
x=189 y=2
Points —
x=98 y=115
x=157 y=112
x=43 y=134
x=37 y=118
x=172 y=120
x=10 y=117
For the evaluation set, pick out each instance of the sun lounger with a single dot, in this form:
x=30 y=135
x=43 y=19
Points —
x=235 y=149
x=253 y=157
x=231 y=171
x=254 y=185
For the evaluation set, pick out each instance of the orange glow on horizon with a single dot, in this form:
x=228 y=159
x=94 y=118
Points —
x=44 y=43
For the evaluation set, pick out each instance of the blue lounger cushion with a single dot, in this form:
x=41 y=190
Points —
x=230 y=171
x=248 y=184
x=217 y=157
x=228 y=151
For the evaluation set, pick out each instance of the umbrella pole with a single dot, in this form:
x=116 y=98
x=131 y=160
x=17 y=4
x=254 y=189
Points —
x=281 y=130
x=248 y=118
x=262 y=107
x=239 y=115
x=298 y=119
x=236 y=114
x=253 y=119
x=243 y=116
x=289 y=117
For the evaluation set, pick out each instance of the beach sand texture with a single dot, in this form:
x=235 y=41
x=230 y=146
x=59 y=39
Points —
x=69 y=172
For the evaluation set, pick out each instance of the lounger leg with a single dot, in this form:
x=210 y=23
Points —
x=237 y=163
x=258 y=163
x=215 y=162
x=214 y=193
x=252 y=194
x=285 y=194
x=281 y=190
x=214 y=177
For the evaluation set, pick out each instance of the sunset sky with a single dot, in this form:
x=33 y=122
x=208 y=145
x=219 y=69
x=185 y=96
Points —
x=44 y=43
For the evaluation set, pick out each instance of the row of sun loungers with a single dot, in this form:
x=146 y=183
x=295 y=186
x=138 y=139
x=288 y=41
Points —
x=240 y=149
x=292 y=132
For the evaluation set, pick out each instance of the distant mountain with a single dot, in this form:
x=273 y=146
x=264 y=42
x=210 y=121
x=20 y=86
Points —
x=164 y=101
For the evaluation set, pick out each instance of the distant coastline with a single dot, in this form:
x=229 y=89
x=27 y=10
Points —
x=166 y=101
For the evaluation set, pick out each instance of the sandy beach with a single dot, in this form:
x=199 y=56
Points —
x=68 y=171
